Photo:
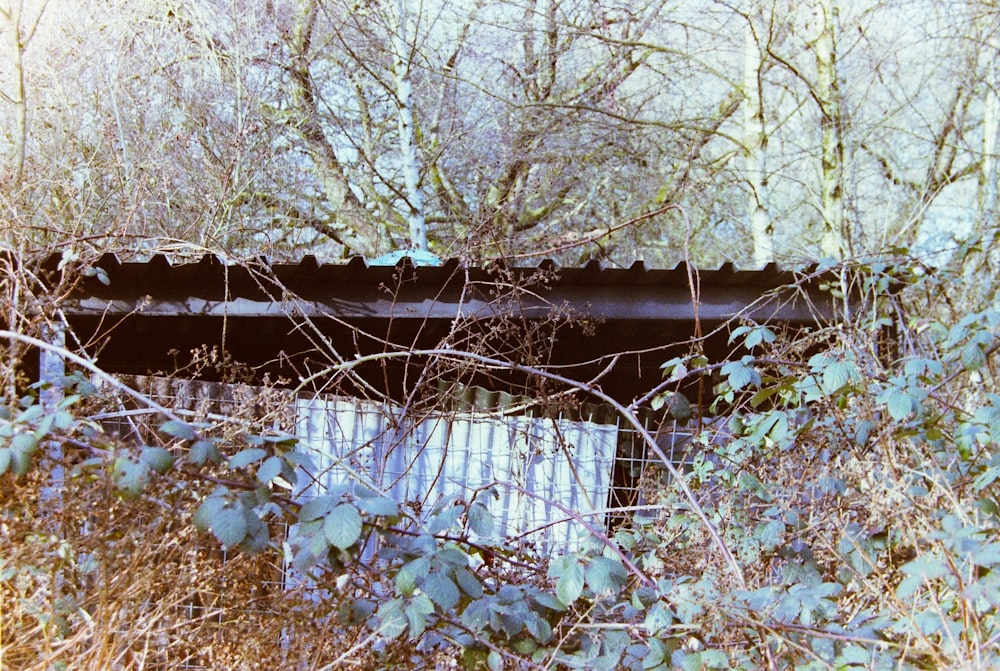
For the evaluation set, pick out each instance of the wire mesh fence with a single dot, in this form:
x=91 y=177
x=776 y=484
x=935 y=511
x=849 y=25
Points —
x=551 y=482
x=547 y=480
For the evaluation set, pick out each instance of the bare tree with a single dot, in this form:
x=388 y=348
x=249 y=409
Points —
x=18 y=29
x=536 y=127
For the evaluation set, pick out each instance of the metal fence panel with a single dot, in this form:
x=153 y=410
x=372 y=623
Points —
x=545 y=470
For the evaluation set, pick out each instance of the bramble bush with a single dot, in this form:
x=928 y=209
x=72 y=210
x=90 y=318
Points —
x=854 y=489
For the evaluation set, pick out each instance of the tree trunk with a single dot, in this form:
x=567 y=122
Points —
x=401 y=60
x=12 y=16
x=754 y=140
x=833 y=243
x=987 y=191
x=350 y=226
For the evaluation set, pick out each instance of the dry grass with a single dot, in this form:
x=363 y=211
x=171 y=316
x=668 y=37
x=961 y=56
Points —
x=90 y=581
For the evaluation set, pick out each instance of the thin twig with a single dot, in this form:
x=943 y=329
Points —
x=597 y=235
x=93 y=368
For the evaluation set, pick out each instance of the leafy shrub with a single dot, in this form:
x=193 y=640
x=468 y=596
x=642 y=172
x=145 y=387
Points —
x=855 y=495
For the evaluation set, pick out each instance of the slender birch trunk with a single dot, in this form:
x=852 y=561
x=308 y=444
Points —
x=755 y=142
x=12 y=17
x=986 y=201
x=402 y=60
x=833 y=243
x=984 y=263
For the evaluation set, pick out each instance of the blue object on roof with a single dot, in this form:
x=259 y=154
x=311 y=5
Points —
x=419 y=257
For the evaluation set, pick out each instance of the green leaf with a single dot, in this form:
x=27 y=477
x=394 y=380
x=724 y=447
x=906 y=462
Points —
x=652 y=653
x=973 y=356
x=130 y=476
x=379 y=506
x=246 y=457
x=208 y=509
x=741 y=375
x=898 y=402
x=258 y=534
x=509 y=594
x=480 y=519
x=539 y=629
x=675 y=369
x=468 y=583
x=392 y=618
x=714 y=659
x=5 y=459
x=343 y=526
x=759 y=600
x=446 y=519
x=100 y=273
x=509 y=620
x=69 y=401
x=658 y=618
x=299 y=459
x=63 y=420
x=477 y=614
x=958 y=332
x=781 y=429
x=987 y=555
x=157 y=459
x=313 y=531
x=29 y=414
x=20 y=462
x=317 y=508
x=282 y=439
x=452 y=556
x=202 y=451
x=605 y=575
x=441 y=590
x=229 y=525
x=921 y=366
x=837 y=375
x=928 y=566
x=410 y=574
x=569 y=587
x=989 y=417
x=855 y=654
x=178 y=429
x=25 y=443
x=43 y=427
x=755 y=335
x=269 y=470
x=737 y=332
x=546 y=600
x=686 y=661
x=770 y=534
x=417 y=610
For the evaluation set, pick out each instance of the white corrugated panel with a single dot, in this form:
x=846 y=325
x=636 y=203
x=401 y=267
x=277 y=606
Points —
x=536 y=464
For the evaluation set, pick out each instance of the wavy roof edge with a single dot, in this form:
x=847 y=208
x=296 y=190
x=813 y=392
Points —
x=310 y=263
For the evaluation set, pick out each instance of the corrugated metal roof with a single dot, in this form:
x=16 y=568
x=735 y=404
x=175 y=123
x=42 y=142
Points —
x=286 y=319
x=209 y=265
x=356 y=290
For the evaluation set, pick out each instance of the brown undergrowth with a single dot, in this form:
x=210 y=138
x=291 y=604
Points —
x=91 y=581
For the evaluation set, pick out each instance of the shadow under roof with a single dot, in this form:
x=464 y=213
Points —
x=290 y=320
